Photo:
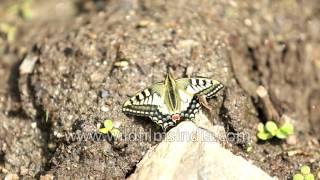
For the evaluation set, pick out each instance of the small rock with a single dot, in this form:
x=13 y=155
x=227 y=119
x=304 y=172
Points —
x=189 y=71
x=51 y=146
x=122 y=64
x=97 y=77
x=144 y=23
x=3 y=170
x=104 y=93
x=292 y=140
x=104 y=109
x=47 y=177
x=23 y=171
x=11 y=177
x=34 y=125
x=187 y=44
x=117 y=124
x=27 y=64
x=248 y=22
x=293 y=152
x=261 y=91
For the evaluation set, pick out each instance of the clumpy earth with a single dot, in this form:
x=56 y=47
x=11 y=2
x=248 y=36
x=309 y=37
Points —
x=63 y=76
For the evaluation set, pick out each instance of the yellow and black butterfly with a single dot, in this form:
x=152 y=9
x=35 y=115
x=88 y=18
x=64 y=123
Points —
x=169 y=102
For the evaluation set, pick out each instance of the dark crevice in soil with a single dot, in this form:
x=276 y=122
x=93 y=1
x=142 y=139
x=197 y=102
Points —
x=128 y=174
x=225 y=117
x=14 y=91
x=255 y=66
x=13 y=81
x=1 y=158
x=44 y=124
x=233 y=72
x=255 y=101
x=258 y=105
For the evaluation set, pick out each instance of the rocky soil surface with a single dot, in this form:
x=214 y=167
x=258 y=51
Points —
x=72 y=66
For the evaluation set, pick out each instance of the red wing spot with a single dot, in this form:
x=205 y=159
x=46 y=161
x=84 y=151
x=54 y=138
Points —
x=175 y=117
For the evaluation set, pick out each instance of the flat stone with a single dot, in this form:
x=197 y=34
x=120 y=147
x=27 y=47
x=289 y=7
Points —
x=189 y=152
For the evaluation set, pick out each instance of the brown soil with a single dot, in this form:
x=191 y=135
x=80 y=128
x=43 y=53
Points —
x=76 y=82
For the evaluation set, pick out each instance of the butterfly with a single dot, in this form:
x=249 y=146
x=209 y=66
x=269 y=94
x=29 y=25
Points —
x=168 y=103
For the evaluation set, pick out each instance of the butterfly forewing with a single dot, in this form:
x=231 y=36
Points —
x=145 y=102
x=199 y=86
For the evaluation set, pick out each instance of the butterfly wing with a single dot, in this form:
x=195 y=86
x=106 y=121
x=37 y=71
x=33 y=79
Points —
x=145 y=102
x=190 y=88
x=150 y=103
x=199 y=86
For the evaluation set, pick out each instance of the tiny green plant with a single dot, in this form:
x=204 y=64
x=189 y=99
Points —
x=108 y=128
x=304 y=174
x=270 y=130
x=9 y=31
x=22 y=9
x=249 y=148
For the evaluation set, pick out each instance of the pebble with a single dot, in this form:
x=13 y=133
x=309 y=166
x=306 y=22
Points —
x=104 y=109
x=46 y=177
x=104 y=93
x=11 y=177
x=292 y=140
x=23 y=171
x=122 y=64
x=33 y=125
x=97 y=77
x=28 y=64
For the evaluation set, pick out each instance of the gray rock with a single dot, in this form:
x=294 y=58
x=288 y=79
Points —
x=190 y=152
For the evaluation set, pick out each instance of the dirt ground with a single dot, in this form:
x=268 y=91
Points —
x=90 y=56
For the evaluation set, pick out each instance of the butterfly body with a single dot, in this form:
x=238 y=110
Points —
x=169 y=102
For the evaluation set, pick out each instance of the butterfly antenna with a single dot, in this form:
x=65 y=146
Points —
x=169 y=69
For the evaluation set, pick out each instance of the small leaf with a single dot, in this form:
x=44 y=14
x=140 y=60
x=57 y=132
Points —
x=298 y=177
x=281 y=135
x=271 y=127
x=260 y=127
x=103 y=130
x=305 y=169
x=108 y=124
x=249 y=148
x=115 y=132
x=264 y=135
x=309 y=177
x=287 y=128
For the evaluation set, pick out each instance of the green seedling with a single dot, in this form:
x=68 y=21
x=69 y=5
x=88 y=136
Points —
x=22 y=9
x=304 y=174
x=108 y=125
x=108 y=128
x=270 y=130
x=9 y=31
x=285 y=130
x=115 y=132
x=249 y=148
